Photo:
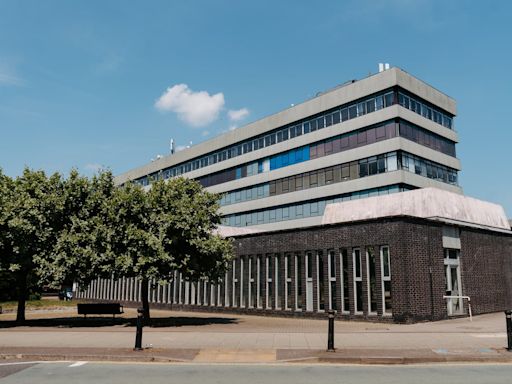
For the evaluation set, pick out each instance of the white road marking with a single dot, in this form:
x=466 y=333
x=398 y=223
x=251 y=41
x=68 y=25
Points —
x=78 y=364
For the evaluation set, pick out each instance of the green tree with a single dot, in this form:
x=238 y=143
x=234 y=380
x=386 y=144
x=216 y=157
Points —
x=31 y=215
x=167 y=228
x=82 y=249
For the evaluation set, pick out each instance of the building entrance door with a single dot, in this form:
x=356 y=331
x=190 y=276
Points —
x=453 y=283
x=309 y=281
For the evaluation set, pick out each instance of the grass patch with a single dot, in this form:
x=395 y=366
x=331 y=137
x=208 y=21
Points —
x=38 y=304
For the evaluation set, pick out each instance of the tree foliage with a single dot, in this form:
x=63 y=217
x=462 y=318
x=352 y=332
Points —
x=167 y=228
x=55 y=230
x=31 y=218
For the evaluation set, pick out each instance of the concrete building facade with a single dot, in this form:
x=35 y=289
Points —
x=349 y=201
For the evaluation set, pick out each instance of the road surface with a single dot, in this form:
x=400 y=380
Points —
x=84 y=372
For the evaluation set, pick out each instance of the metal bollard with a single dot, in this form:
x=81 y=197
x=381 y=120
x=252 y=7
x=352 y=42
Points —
x=508 y=317
x=330 y=336
x=140 y=324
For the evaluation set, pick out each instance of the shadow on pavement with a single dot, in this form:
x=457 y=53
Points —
x=92 y=322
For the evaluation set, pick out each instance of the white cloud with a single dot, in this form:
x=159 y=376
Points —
x=237 y=115
x=194 y=108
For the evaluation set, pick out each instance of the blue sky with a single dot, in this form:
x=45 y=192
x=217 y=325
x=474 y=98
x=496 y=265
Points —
x=81 y=83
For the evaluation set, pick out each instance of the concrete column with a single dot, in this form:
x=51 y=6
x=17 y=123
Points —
x=111 y=289
x=180 y=301
x=92 y=290
x=123 y=289
x=116 y=289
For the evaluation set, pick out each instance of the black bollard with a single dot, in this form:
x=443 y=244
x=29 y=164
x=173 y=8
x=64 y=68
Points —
x=330 y=336
x=508 y=317
x=140 y=324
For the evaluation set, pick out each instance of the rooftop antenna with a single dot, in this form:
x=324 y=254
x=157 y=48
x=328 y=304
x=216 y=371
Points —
x=171 y=146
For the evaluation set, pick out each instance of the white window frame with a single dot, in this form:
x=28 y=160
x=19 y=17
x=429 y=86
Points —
x=385 y=278
x=258 y=282
x=268 y=281
x=296 y=293
x=250 y=282
x=234 y=280
x=370 y=313
x=226 y=290
x=342 y=283
x=288 y=280
x=241 y=300
x=277 y=262
x=356 y=278
x=331 y=279
x=180 y=289
x=308 y=257
x=318 y=293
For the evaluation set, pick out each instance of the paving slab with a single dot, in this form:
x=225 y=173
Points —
x=186 y=336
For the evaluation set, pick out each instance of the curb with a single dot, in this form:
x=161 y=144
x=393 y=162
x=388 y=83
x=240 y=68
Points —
x=353 y=360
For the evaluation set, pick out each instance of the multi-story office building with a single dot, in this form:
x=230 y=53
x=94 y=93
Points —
x=387 y=133
x=349 y=201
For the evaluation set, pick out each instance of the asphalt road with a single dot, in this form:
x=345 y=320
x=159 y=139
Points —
x=82 y=372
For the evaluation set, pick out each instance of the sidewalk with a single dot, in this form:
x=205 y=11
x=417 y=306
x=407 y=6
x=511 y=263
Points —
x=208 y=337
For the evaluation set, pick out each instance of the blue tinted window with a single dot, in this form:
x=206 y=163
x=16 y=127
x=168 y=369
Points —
x=305 y=153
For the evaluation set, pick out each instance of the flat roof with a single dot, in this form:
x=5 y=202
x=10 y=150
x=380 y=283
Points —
x=425 y=203
x=332 y=98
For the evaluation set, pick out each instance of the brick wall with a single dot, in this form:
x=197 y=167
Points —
x=418 y=274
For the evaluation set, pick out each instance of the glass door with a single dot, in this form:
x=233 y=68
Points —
x=453 y=283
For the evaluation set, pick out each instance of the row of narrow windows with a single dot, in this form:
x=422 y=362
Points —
x=373 y=165
x=367 y=167
x=349 y=280
x=336 y=144
x=334 y=116
x=305 y=209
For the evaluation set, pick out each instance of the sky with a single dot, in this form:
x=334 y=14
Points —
x=106 y=84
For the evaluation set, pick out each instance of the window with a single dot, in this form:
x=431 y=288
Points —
x=332 y=279
x=358 y=280
x=352 y=112
x=268 y=275
x=298 y=282
x=386 y=280
x=278 y=281
x=345 y=299
x=371 y=266
x=259 y=285
x=234 y=281
x=288 y=281
x=321 y=281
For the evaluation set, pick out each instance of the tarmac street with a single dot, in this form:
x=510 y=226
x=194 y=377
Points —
x=83 y=372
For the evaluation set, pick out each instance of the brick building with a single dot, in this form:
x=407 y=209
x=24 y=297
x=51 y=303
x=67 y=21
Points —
x=348 y=201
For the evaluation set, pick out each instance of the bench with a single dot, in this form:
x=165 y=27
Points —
x=99 y=309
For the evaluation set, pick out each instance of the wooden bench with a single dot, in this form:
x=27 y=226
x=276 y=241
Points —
x=99 y=309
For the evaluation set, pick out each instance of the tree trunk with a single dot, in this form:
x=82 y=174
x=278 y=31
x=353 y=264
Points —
x=144 y=293
x=22 y=297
